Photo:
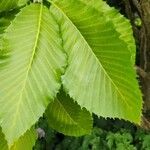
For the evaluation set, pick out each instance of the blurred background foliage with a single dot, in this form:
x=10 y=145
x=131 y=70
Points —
x=106 y=135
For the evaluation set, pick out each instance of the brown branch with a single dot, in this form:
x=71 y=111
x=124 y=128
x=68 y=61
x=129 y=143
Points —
x=141 y=72
x=145 y=123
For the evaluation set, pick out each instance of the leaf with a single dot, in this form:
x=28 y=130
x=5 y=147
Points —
x=121 y=24
x=31 y=78
x=5 y=21
x=22 y=2
x=3 y=142
x=66 y=116
x=28 y=140
x=100 y=75
x=6 y=5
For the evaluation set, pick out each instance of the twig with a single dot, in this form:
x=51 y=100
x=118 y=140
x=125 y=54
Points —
x=137 y=6
x=141 y=72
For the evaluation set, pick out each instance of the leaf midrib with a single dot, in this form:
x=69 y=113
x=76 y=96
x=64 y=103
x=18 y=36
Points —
x=76 y=123
x=92 y=52
x=30 y=63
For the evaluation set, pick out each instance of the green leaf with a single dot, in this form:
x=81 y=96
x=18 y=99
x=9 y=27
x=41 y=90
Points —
x=6 y=5
x=28 y=140
x=22 y=2
x=3 y=142
x=100 y=75
x=66 y=116
x=121 y=24
x=5 y=21
x=31 y=78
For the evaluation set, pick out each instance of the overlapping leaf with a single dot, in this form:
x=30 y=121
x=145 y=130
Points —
x=121 y=24
x=5 y=21
x=67 y=117
x=27 y=141
x=3 y=142
x=31 y=78
x=100 y=75
x=22 y=2
x=6 y=5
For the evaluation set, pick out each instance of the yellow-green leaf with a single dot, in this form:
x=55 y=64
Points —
x=6 y=5
x=31 y=77
x=26 y=141
x=100 y=75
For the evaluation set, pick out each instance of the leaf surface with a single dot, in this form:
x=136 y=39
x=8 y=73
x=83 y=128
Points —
x=27 y=140
x=121 y=24
x=31 y=77
x=100 y=75
x=6 y=5
x=5 y=21
x=66 y=116
x=3 y=142
x=22 y=2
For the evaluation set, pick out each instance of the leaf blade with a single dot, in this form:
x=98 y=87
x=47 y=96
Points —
x=122 y=25
x=66 y=116
x=102 y=70
x=34 y=79
x=28 y=139
x=7 y=5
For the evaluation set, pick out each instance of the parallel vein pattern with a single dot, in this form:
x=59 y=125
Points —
x=6 y=5
x=100 y=75
x=31 y=78
x=122 y=25
x=5 y=21
x=67 y=117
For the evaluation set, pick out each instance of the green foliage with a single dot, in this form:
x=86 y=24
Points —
x=100 y=139
x=5 y=20
x=90 y=53
x=7 y=5
x=109 y=72
x=120 y=141
x=122 y=134
x=67 y=117
x=146 y=142
x=22 y=2
x=108 y=135
x=32 y=84
x=122 y=25
x=27 y=139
